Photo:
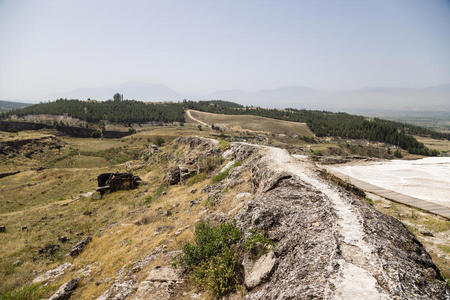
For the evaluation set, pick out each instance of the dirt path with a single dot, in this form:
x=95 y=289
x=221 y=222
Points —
x=357 y=267
x=188 y=113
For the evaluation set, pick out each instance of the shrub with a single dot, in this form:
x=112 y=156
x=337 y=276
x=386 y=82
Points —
x=223 y=144
x=159 y=141
x=370 y=201
x=196 y=179
x=221 y=176
x=258 y=238
x=317 y=152
x=213 y=259
x=398 y=153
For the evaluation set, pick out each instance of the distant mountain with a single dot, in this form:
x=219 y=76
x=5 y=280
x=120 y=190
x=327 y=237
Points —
x=436 y=98
x=9 y=105
x=130 y=90
x=278 y=97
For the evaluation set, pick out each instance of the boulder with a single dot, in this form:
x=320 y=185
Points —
x=49 y=249
x=65 y=291
x=76 y=250
x=257 y=270
x=173 y=176
x=178 y=174
x=63 y=239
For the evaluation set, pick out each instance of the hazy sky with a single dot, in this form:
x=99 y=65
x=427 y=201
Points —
x=201 y=46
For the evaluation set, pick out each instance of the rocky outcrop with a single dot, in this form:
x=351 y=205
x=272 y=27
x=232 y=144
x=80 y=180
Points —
x=53 y=273
x=30 y=148
x=160 y=284
x=65 y=291
x=329 y=243
x=79 y=247
x=178 y=174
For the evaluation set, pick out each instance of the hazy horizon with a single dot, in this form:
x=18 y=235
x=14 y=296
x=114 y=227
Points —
x=201 y=47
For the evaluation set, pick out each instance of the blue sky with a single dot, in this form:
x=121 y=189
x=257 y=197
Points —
x=202 y=46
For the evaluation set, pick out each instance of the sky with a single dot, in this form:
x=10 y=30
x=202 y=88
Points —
x=49 y=46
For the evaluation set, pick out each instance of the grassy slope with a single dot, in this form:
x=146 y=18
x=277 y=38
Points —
x=254 y=123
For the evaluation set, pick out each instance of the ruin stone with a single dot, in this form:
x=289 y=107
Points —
x=117 y=181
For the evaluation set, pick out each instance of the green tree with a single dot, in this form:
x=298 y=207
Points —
x=117 y=97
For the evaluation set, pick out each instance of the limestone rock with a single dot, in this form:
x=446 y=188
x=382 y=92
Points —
x=53 y=273
x=76 y=250
x=159 y=284
x=65 y=291
x=256 y=271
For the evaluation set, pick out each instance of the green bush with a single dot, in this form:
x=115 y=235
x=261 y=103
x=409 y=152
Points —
x=159 y=141
x=317 y=152
x=256 y=238
x=223 y=144
x=370 y=201
x=221 y=176
x=213 y=259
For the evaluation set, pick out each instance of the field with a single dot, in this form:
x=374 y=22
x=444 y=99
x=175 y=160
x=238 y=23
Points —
x=441 y=145
x=253 y=123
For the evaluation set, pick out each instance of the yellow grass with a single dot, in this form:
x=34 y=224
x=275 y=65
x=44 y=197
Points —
x=440 y=145
x=253 y=123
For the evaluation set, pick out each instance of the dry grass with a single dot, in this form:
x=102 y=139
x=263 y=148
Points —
x=41 y=201
x=254 y=123
x=440 y=145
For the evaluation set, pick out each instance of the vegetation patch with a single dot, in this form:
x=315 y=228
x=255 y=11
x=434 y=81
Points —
x=196 y=179
x=28 y=292
x=213 y=260
x=222 y=175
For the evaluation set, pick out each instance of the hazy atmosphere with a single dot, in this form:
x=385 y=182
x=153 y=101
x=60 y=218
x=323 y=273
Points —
x=226 y=149
x=303 y=52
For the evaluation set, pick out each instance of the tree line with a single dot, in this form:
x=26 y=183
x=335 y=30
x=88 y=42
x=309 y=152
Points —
x=322 y=123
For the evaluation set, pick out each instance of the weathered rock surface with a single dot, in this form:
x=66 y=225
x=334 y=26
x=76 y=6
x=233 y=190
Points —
x=257 y=269
x=329 y=242
x=76 y=250
x=53 y=273
x=65 y=291
x=126 y=282
x=160 y=284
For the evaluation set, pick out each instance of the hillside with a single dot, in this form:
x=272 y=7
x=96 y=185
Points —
x=289 y=223
x=321 y=123
x=252 y=123
x=10 y=105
